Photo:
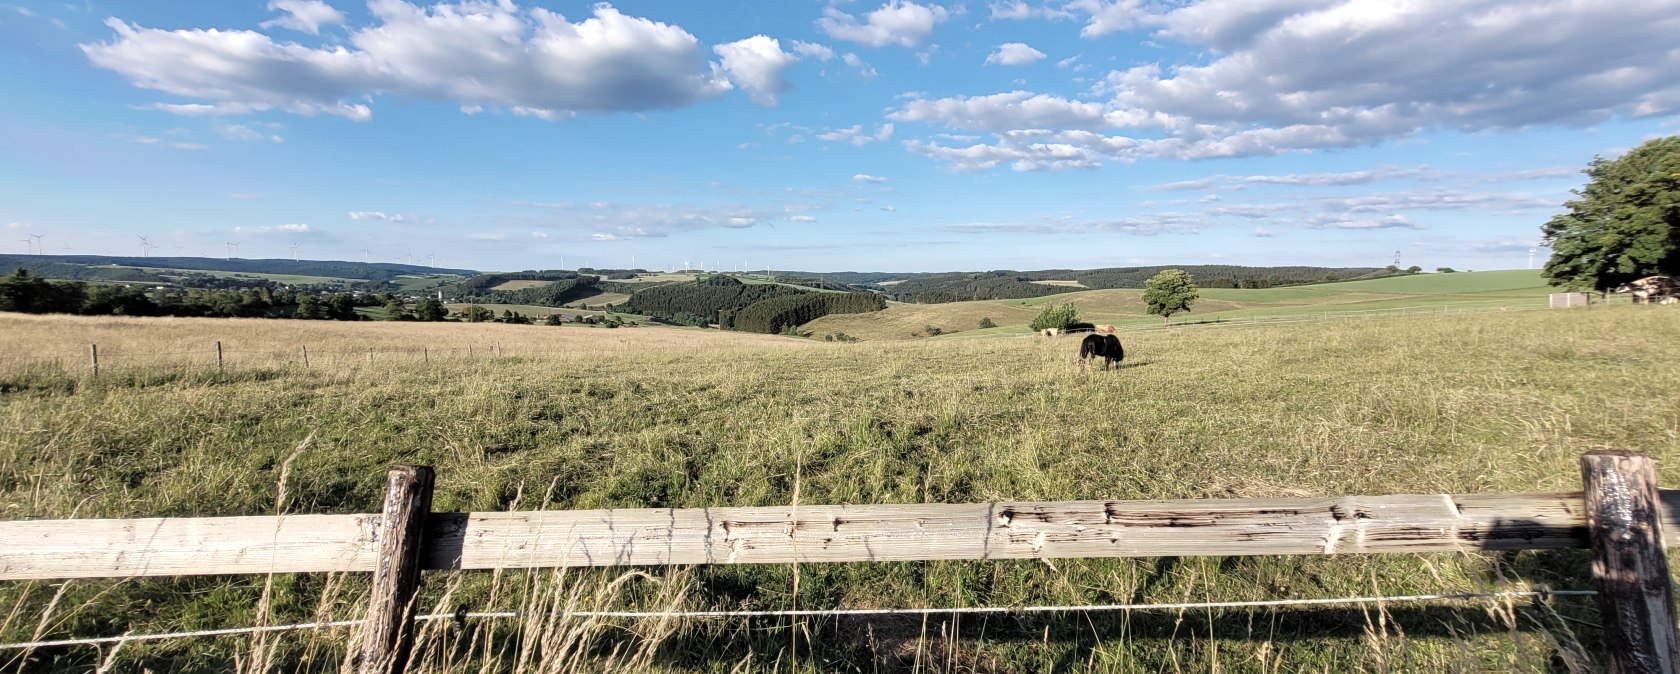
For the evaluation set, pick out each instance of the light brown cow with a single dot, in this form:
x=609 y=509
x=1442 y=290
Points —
x=1105 y=329
x=1650 y=289
x=1050 y=332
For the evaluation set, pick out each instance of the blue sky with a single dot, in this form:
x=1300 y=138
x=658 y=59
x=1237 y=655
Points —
x=823 y=136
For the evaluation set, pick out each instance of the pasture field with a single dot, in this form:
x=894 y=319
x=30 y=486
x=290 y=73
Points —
x=657 y=417
x=1125 y=307
x=535 y=310
x=660 y=277
x=416 y=284
x=522 y=284
x=277 y=278
x=599 y=299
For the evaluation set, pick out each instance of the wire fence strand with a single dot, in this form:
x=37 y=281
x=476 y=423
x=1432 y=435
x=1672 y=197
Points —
x=1542 y=594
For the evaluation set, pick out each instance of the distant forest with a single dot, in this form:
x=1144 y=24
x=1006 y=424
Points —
x=99 y=267
x=24 y=292
x=934 y=288
x=731 y=304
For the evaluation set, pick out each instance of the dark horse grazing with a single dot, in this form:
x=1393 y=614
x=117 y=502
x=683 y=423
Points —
x=1106 y=347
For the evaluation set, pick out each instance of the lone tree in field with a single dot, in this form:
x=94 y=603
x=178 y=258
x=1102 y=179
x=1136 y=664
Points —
x=1169 y=292
x=1058 y=316
x=1625 y=223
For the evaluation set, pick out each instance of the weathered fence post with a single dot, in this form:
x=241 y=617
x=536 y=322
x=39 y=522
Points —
x=95 y=349
x=306 y=356
x=1625 y=530
x=218 y=355
x=388 y=634
x=426 y=354
x=370 y=355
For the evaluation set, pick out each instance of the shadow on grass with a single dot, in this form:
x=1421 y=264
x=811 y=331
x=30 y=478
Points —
x=1070 y=642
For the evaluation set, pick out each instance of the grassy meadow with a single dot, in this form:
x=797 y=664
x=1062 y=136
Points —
x=556 y=418
x=1490 y=290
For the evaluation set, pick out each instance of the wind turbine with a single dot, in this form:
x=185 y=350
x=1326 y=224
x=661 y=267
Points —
x=294 y=252
x=145 y=247
x=39 y=249
x=231 y=248
x=431 y=260
x=1531 y=258
x=68 y=249
x=364 y=254
x=28 y=246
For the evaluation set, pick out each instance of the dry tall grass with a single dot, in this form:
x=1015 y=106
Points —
x=1503 y=402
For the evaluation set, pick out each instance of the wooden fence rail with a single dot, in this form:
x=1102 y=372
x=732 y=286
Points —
x=1621 y=515
x=44 y=549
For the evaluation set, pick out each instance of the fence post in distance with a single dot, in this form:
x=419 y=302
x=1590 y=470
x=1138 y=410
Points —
x=388 y=634
x=94 y=348
x=1624 y=528
x=218 y=355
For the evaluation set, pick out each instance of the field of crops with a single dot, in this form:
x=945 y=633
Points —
x=652 y=417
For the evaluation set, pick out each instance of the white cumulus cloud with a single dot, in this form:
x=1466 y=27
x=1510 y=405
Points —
x=1015 y=54
x=857 y=135
x=897 y=22
x=305 y=16
x=1278 y=76
x=813 y=50
x=467 y=53
x=380 y=215
x=756 y=64
x=866 y=178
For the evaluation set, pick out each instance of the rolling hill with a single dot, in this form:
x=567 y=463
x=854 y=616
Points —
x=1126 y=307
x=157 y=269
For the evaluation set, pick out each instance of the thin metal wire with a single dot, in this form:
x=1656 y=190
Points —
x=811 y=613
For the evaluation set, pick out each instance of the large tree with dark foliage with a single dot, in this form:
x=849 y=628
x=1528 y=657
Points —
x=1623 y=225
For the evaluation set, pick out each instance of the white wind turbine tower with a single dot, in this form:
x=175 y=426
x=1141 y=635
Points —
x=145 y=247
x=39 y=249
x=28 y=246
x=231 y=248
x=364 y=254
x=1531 y=258
x=294 y=252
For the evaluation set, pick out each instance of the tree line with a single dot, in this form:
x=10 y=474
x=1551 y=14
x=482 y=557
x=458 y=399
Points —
x=781 y=314
x=556 y=293
x=700 y=302
x=24 y=292
x=733 y=305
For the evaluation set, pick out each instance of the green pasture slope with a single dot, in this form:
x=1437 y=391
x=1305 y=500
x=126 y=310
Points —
x=1490 y=289
x=1125 y=307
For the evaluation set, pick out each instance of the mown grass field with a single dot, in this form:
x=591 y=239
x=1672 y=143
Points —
x=688 y=418
x=522 y=284
x=536 y=310
x=1125 y=307
x=278 y=278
